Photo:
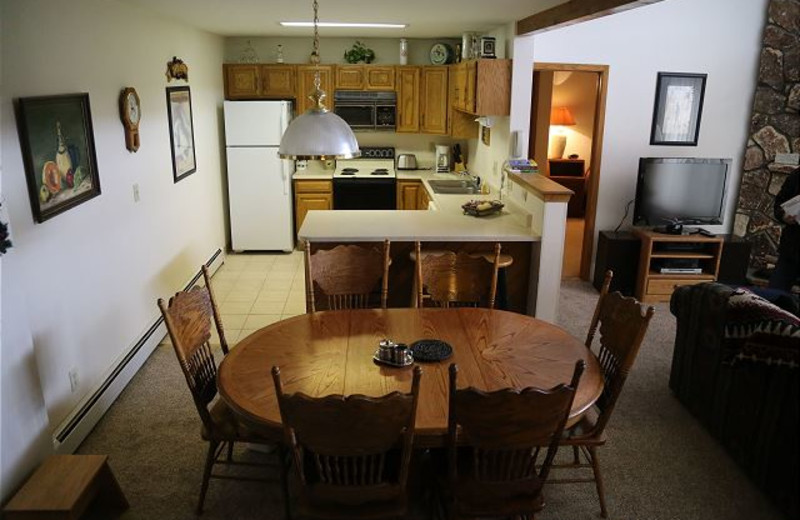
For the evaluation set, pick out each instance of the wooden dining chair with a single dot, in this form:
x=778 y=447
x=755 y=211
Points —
x=453 y=279
x=351 y=453
x=501 y=444
x=188 y=318
x=348 y=276
x=622 y=323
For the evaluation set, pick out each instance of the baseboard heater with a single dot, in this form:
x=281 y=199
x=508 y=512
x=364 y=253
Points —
x=80 y=423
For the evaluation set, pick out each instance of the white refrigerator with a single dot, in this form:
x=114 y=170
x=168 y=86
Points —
x=259 y=183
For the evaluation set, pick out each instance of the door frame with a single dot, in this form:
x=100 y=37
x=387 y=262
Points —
x=597 y=149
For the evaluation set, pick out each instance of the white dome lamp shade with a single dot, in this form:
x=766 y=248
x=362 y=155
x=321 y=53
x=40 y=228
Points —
x=318 y=134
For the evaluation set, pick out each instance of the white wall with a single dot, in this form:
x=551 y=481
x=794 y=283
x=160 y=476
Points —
x=718 y=37
x=78 y=290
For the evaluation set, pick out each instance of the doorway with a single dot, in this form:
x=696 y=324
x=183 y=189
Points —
x=566 y=141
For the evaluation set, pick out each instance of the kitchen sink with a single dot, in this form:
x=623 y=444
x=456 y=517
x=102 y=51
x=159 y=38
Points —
x=455 y=187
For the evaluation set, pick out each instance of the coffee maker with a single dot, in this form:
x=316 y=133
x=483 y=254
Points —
x=442 y=158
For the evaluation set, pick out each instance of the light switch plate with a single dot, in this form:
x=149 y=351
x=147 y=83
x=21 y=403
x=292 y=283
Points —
x=791 y=159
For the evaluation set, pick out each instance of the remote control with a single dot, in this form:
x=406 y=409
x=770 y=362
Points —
x=705 y=232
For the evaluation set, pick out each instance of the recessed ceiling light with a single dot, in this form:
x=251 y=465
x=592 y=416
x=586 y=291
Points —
x=347 y=24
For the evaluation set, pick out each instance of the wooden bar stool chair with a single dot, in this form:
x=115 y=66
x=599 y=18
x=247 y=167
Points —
x=622 y=325
x=448 y=279
x=348 y=276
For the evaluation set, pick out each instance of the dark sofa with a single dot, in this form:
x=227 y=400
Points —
x=736 y=368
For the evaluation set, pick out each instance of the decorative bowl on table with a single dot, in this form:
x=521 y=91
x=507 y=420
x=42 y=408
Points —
x=482 y=208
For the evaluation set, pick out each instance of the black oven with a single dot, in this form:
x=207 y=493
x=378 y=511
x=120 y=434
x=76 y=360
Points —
x=362 y=110
x=364 y=193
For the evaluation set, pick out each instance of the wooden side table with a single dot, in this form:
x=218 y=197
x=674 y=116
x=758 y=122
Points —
x=64 y=486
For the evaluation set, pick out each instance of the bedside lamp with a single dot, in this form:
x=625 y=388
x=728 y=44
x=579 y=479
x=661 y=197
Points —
x=559 y=117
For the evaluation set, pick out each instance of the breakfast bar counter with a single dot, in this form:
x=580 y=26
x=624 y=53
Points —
x=444 y=225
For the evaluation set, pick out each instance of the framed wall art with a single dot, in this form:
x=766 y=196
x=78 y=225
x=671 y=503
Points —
x=678 y=106
x=181 y=132
x=58 y=152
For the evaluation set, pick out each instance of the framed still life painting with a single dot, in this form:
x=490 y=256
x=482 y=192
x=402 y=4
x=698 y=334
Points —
x=58 y=152
x=181 y=132
x=678 y=106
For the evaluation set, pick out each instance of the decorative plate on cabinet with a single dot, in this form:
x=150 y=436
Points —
x=441 y=54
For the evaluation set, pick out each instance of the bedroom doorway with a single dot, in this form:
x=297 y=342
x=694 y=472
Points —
x=566 y=140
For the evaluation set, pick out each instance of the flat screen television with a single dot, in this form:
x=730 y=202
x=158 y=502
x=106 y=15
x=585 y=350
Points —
x=681 y=191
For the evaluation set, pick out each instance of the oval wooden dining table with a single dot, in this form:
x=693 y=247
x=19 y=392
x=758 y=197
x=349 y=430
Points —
x=331 y=352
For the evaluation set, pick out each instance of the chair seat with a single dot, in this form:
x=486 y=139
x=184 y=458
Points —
x=582 y=432
x=229 y=427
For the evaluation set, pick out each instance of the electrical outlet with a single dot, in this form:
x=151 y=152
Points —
x=73 y=380
x=301 y=165
x=136 y=193
x=330 y=164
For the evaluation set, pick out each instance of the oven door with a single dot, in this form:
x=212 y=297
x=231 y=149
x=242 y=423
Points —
x=358 y=116
x=364 y=193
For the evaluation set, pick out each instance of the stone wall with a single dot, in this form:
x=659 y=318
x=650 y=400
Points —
x=774 y=129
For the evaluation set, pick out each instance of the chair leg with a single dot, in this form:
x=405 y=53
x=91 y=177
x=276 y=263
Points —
x=285 y=461
x=230 y=451
x=212 y=449
x=576 y=455
x=598 y=481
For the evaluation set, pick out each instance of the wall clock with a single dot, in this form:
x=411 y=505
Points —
x=131 y=113
x=441 y=53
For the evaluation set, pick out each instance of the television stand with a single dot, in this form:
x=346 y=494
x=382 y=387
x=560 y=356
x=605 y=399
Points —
x=652 y=285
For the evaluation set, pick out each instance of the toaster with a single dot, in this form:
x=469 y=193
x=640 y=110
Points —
x=406 y=161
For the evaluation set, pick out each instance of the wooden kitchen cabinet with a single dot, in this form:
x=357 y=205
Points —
x=433 y=101
x=311 y=195
x=379 y=77
x=242 y=81
x=407 y=98
x=278 y=81
x=408 y=194
x=422 y=197
x=305 y=84
x=253 y=81
x=482 y=87
x=350 y=77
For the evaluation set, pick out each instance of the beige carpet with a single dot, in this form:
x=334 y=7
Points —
x=659 y=463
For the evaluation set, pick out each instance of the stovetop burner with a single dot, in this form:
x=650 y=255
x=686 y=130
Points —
x=349 y=171
x=365 y=169
x=380 y=171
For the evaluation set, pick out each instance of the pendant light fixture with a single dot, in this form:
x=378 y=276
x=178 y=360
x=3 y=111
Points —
x=318 y=134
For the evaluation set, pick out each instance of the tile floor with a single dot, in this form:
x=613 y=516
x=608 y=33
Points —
x=254 y=290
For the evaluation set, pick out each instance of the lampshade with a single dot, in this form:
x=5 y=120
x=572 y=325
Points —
x=318 y=133
x=561 y=116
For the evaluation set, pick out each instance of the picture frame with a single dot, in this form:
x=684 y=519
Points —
x=181 y=132
x=678 y=108
x=58 y=152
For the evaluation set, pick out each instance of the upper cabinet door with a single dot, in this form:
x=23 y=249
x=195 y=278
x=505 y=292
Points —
x=379 y=77
x=350 y=77
x=305 y=84
x=278 y=81
x=408 y=99
x=242 y=81
x=433 y=101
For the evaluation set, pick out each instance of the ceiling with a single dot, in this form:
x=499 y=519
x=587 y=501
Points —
x=426 y=18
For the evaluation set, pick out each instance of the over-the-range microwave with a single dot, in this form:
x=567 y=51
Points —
x=366 y=110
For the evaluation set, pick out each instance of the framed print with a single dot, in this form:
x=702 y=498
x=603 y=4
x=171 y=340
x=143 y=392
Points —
x=55 y=133
x=678 y=106
x=181 y=132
